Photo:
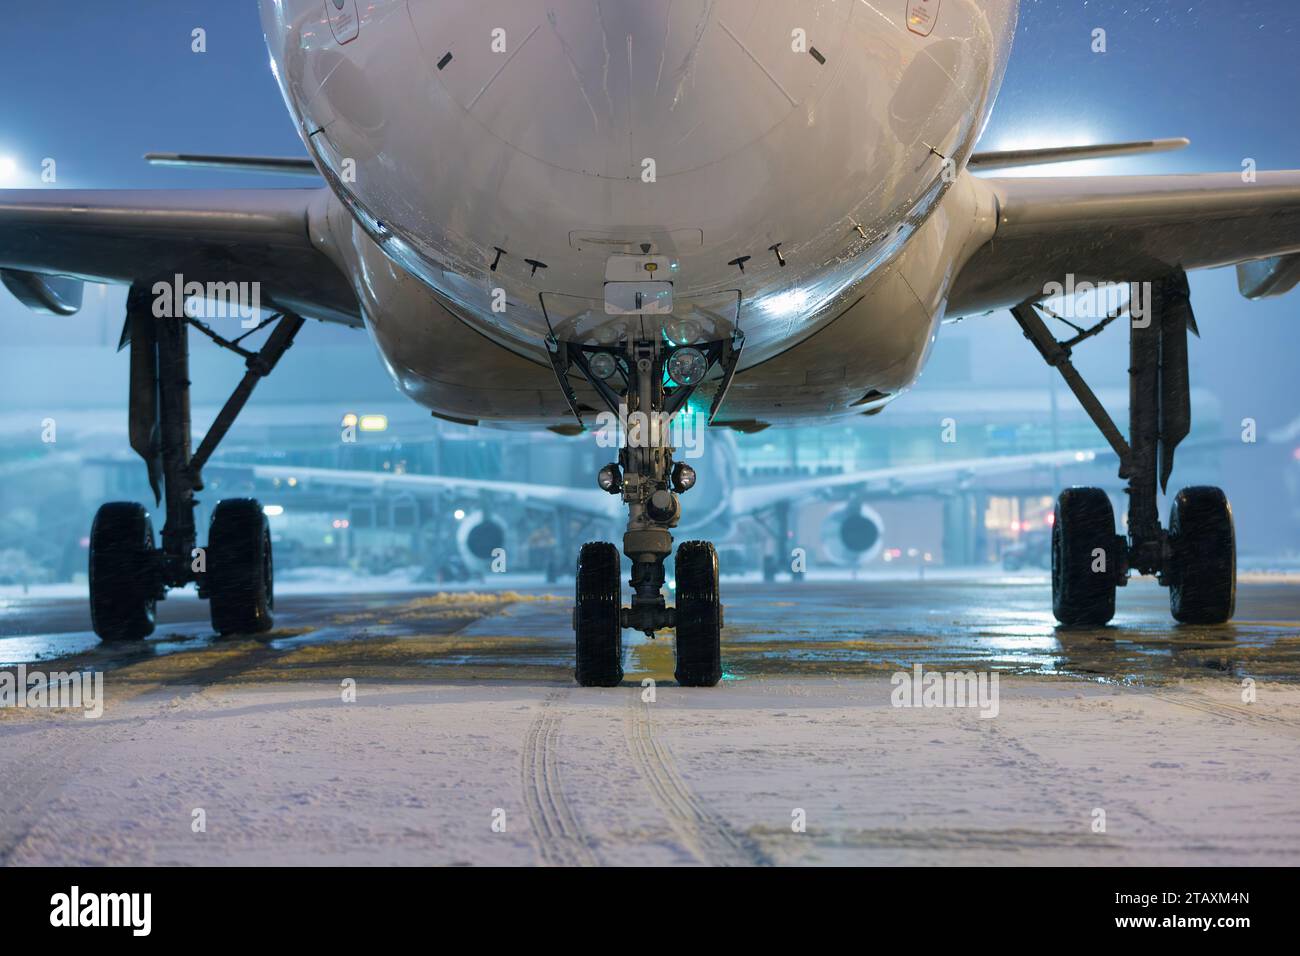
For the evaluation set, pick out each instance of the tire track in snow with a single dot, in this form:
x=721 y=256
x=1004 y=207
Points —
x=702 y=830
x=559 y=838
x=1232 y=713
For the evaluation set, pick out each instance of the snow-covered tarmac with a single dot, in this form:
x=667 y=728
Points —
x=468 y=743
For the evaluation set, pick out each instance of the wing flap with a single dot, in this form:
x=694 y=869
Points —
x=1265 y=278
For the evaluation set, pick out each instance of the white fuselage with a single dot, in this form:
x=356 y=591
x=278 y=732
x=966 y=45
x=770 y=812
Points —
x=487 y=157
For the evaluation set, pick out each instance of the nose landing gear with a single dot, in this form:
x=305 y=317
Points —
x=650 y=483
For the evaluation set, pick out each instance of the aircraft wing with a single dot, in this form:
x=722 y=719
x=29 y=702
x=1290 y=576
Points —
x=1132 y=228
x=591 y=501
x=128 y=236
x=754 y=498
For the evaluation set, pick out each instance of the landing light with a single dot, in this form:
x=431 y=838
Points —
x=610 y=479
x=683 y=332
x=683 y=477
x=687 y=366
x=273 y=511
x=374 y=423
x=602 y=365
x=459 y=514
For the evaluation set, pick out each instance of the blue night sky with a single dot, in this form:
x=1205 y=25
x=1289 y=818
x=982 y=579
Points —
x=95 y=85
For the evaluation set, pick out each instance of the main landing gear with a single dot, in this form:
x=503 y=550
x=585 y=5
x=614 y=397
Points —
x=1196 y=557
x=129 y=573
x=645 y=382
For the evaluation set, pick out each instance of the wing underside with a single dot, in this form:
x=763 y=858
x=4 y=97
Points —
x=145 y=236
x=1132 y=228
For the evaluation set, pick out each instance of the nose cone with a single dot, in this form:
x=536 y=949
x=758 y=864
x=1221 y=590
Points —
x=778 y=150
x=599 y=87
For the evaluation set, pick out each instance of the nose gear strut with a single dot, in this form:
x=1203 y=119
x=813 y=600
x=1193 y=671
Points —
x=638 y=388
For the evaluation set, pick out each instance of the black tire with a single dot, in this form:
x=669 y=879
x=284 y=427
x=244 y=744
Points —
x=1203 y=541
x=240 y=578
x=597 y=616
x=1083 y=595
x=123 y=573
x=699 y=616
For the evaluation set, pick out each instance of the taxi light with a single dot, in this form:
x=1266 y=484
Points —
x=687 y=366
x=610 y=479
x=602 y=364
x=683 y=477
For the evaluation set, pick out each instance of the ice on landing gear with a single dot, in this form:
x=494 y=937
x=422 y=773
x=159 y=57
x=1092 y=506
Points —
x=123 y=576
x=239 y=583
x=597 y=611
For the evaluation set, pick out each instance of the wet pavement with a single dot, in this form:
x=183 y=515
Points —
x=839 y=628
x=394 y=728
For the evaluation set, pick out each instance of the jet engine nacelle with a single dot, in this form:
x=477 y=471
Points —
x=853 y=534
x=478 y=537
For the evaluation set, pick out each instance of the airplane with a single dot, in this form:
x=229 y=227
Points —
x=542 y=212
x=853 y=533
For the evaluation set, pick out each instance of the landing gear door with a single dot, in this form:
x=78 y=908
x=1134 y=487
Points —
x=343 y=19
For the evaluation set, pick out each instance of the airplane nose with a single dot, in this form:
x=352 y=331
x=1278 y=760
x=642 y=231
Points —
x=601 y=86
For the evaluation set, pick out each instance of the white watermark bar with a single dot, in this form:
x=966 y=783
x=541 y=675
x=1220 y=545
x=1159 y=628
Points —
x=56 y=690
x=922 y=688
